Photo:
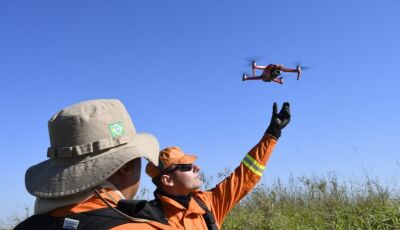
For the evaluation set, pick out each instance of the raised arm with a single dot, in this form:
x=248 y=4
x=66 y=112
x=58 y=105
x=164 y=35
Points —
x=233 y=188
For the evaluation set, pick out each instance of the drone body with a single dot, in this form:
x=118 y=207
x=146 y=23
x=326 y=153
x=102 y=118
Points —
x=271 y=73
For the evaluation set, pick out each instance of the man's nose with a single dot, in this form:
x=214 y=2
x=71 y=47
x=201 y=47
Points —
x=196 y=168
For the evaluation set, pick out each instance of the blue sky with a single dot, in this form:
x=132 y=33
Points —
x=177 y=67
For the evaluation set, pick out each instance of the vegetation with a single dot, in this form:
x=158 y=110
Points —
x=307 y=203
x=318 y=203
x=16 y=218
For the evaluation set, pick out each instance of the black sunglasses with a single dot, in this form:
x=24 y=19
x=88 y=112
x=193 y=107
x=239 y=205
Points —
x=180 y=167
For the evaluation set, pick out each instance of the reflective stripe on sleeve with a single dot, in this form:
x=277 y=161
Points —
x=253 y=165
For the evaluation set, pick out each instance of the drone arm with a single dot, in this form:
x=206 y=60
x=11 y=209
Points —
x=254 y=78
x=245 y=78
x=290 y=70
x=262 y=67
x=297 y=70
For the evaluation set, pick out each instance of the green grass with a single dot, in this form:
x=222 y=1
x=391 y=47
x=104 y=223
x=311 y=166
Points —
x=318 y=203
x=307 y=203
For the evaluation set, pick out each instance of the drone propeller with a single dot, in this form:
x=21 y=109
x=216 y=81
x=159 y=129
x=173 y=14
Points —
x=245 y=76
x=252 y=60
x=302 y=66
x=305 y=67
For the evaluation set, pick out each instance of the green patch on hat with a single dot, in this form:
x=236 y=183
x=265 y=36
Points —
x=116 y=129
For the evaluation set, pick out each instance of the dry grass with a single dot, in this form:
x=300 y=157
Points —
x=318 y=203
x=304 y=203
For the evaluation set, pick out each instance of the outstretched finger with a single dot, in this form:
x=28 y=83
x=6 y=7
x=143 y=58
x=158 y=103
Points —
x=274 y=109
x=286 y=107
x=285 y=111
x=286 y=104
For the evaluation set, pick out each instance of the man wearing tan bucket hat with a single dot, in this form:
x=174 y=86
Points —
x=94 y=163
x=178 y=181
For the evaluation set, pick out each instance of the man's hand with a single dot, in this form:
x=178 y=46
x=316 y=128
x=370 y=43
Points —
x=279 y=120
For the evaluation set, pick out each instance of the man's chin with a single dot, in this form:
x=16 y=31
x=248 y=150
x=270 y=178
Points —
x=197 y=187
x=196 y=190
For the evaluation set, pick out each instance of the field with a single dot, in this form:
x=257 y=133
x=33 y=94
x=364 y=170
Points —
x=318 y=202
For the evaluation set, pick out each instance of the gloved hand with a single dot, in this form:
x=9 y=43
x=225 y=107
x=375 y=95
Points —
x=279 y=120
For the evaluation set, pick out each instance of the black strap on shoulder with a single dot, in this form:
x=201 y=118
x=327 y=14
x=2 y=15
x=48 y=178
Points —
x=143 y=209
x=208 y=216
x=100 y=219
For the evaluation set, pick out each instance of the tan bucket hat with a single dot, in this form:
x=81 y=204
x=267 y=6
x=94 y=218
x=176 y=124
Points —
x=89 y=142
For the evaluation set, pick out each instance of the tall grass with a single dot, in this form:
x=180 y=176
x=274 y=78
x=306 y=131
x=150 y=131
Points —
x=16 y=218
x=318 y=203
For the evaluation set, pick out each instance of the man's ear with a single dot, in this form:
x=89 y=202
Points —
x=166 y=180
x=127 y=169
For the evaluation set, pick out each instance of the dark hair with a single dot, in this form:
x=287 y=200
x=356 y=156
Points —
x=157 y=180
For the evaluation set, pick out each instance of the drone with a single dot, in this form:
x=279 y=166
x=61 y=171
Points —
x=271 y=72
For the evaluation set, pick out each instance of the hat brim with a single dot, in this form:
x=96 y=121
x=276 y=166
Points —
x=153 y=171
x=64 y=177
x=187 y=159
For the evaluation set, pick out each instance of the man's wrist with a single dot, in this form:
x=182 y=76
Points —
x=275 y=132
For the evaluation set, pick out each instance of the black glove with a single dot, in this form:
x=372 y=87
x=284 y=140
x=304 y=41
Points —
x=279 y=120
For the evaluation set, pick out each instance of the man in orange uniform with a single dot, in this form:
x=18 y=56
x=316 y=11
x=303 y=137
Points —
x=94 y=164
x=178 y=181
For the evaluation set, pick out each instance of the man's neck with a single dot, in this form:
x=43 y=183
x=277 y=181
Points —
x=181 y=199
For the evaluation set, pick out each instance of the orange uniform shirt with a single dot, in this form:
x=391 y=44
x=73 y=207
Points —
x=221 y=199
x=96 y=203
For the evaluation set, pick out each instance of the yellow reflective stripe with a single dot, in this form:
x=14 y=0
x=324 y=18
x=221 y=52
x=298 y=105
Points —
x=251 y=168
x=260 y=166
x=253 y=165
